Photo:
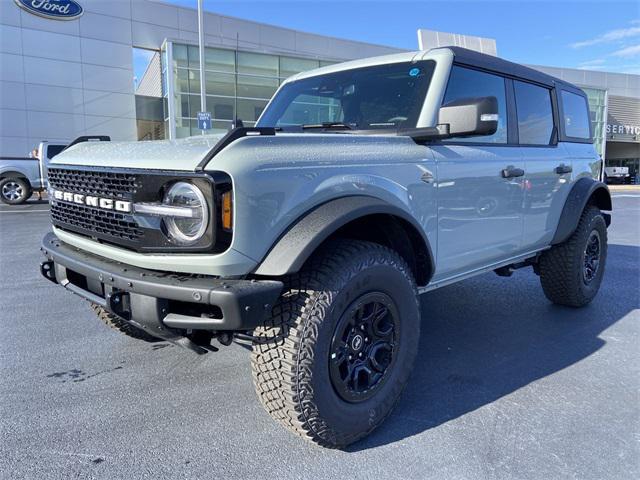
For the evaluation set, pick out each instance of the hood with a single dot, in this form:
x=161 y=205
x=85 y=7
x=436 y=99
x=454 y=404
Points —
x=182 y=154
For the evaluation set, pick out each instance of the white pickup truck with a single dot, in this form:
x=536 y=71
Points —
x=21 y=176
x=616 y=174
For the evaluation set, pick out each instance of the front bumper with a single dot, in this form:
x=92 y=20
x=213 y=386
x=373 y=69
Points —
x=166 y=305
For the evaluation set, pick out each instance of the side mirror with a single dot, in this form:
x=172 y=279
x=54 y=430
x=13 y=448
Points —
x=469 y=117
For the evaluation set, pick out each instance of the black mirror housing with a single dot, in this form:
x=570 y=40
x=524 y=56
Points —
x=470 y=116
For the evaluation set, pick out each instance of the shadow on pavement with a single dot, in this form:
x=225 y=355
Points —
x=485 y=338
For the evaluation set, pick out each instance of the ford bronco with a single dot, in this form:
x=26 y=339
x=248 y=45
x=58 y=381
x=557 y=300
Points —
x=312 y=233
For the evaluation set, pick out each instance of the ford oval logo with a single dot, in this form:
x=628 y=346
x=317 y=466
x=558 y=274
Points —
x=55 y=9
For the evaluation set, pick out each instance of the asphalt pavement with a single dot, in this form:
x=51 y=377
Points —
x=506 y=385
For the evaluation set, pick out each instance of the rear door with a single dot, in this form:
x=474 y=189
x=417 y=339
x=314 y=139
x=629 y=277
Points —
x=548 y=168
x=480 y=195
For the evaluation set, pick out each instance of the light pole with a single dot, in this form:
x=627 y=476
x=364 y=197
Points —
x=203 y=98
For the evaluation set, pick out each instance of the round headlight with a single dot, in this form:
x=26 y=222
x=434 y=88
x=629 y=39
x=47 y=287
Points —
x=189 y=229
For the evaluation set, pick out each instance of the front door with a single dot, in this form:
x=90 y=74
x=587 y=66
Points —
x=480 y=198
x=480 y=185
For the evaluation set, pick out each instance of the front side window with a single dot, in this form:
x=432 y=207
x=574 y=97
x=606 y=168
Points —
x=468 y=83
x=535 y=114
x=379 y=97
x=575 y=116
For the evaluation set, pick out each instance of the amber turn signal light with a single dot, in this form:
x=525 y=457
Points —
x=227 y=211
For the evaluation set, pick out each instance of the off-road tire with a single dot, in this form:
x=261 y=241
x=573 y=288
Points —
x=122 y=325
x=290 y=358
x=561 y=267
x=26 y=188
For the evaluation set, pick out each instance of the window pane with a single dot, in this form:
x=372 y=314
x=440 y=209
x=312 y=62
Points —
x=179 y=55
x=535 y=114
x=194 y=59
x=219 y=60
x=576 y=116
x=220 y=84
x=183 y=127
x=256 y=87
x=194 y=81
x=290 y=66
x=220 y=108
x=467 y=83
x=258 y=64
x=194 y=105
x=182 y=105
x=182 y=80
x=250 y=110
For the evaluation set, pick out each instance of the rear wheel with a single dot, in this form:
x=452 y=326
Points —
x=14 y=190
x=571 y=272
x=332 y=361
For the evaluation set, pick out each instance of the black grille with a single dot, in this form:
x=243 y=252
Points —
x=93 y=220
x=107 y=225
x=104 y=184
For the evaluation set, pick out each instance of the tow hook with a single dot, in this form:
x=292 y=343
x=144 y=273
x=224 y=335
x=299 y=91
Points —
x=120 y=304
x=48 y=271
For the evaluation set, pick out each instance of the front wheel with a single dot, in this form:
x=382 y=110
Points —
x=14 y=190
x=332 y=360
x=571 y=272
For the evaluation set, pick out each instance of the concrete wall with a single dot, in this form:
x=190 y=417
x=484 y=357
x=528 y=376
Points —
x=61 y=79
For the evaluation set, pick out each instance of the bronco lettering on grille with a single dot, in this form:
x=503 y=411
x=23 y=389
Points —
x=91 y=201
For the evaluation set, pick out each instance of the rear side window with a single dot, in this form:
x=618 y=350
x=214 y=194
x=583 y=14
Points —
x=468 y=83
x=54 y=150
x=575 y=116
x=535 y=114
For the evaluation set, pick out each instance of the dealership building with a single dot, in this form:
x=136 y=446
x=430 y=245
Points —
x=67 y=69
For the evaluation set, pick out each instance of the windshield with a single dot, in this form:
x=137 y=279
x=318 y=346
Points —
x=379 y=97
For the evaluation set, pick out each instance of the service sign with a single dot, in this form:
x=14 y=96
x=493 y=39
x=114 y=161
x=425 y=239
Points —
x=54 y=9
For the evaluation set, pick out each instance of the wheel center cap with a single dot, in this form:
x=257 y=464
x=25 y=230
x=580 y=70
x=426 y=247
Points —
x=356 y=342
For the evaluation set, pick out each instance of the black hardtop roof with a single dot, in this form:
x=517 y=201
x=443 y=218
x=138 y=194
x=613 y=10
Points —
x=499 y=65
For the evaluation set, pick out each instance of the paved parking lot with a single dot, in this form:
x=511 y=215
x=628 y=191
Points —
x=506 y=386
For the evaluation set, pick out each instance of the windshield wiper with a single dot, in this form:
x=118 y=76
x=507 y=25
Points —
x=329 y=125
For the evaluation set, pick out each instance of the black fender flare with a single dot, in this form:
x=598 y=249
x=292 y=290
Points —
x=583 y=191
x=306 y=234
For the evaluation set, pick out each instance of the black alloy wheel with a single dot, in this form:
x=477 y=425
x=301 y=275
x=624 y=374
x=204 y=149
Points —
x=363 y=347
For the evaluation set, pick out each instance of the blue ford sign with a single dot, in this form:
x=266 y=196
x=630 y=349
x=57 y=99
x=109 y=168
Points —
x=55 y=9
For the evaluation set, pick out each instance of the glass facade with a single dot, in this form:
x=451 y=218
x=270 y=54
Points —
x=238 y=84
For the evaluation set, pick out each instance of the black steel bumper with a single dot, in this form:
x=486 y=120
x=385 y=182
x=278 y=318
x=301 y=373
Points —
x=166 y=305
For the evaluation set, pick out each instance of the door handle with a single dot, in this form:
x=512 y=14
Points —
x=512 y=172
x=562 y=169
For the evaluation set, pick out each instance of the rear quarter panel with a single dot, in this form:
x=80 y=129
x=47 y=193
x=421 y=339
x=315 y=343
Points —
x=27 y=168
